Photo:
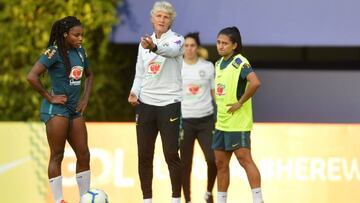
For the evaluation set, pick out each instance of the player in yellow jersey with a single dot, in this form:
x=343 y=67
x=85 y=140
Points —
x=236 y=83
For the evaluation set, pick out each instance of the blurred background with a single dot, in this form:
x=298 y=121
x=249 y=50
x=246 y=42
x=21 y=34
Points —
x=307 y=113
x=307 y=53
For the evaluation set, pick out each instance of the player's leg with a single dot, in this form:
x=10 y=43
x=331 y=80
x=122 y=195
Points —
x=243 y=155
x=78 y=140
x=146 y=131
x=205 y=136
x=186 y=153
x=223 y=173
x=222 y=159
x=168 y=118
x=57 y=132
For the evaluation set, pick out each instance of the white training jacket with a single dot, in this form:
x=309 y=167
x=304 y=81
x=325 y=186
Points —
x=158 y=79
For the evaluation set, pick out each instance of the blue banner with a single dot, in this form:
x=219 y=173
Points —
x=261 y=22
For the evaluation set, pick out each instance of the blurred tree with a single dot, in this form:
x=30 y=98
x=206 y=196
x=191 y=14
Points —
x=24 y=32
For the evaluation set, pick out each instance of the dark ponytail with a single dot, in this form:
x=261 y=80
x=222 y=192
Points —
x=234 y=34
x=57 y=37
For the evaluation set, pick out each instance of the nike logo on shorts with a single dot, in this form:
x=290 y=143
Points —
x=173 y=119
x=234 y=145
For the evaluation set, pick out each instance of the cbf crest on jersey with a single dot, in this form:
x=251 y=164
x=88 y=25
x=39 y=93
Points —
x=76 y=75
x=236 y=63
x=202 y=74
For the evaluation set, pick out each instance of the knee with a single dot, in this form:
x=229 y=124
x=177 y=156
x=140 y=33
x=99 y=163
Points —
x=84 y=157
x=57 y=157
x=171 y=157
x=210 y=159
x=186 y=160
x=186 y=166
x=221 y=165
x=145 y=158
x=244 y=160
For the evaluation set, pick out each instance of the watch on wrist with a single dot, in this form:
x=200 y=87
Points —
x=155 y=48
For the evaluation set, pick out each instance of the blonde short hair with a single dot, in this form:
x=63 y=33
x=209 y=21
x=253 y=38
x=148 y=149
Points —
x=165 y=7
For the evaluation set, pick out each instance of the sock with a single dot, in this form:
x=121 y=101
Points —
x=221 y=197
x=207 y=195
x=175 y=200
x=148 y=200
x=83 y=181
x=257 y=195
x=56 y=188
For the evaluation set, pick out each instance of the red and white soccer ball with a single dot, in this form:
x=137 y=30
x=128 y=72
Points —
x=94 y=195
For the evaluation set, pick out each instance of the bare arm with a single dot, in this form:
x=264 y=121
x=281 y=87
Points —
x=254 y=84
x=33 y=78
x=212 y=92
x=87 y=89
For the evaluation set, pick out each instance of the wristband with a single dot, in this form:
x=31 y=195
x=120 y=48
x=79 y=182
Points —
x=154 y=49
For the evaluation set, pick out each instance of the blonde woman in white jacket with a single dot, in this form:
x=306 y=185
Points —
x=157 y=93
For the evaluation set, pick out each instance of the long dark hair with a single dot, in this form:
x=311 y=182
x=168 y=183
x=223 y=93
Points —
x=57 y=37
x=234 y=34
x=195 y=36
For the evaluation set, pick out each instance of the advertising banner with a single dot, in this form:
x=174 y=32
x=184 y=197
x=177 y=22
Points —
x=299 y=163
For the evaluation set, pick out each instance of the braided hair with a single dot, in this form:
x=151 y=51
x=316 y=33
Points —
x=57 y=37
x=234 y=34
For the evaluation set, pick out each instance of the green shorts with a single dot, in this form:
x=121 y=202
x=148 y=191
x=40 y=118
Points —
x=229 y=141
x=44 y=117
x=48 y=111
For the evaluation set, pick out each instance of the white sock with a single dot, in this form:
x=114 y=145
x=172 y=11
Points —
x=207 y=195
x=175 y=200
x=221 y=197
x=83 y=181
x=257 y=195
x=148 y=200
x=56 y=188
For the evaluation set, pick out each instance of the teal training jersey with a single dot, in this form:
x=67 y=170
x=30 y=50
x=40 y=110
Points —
x=61 y=81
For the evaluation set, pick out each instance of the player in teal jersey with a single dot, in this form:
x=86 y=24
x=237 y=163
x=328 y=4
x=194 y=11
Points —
x=236 y=83
x=62 y=108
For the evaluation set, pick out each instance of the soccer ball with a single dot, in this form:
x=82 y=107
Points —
x=94 y=196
